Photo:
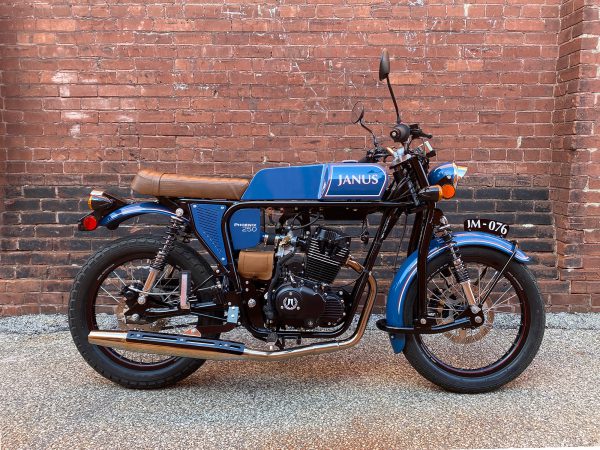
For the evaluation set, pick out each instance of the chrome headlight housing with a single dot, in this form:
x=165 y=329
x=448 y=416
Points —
x=447 y=176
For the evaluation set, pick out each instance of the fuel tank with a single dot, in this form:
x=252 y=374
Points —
x=333 y=182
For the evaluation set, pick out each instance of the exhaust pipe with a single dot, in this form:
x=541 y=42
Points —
x=215 y=349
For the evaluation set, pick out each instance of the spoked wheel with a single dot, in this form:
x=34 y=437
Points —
x=104 y=297
x=481 y=359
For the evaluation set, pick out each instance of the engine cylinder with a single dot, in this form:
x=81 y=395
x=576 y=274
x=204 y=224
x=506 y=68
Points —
x=327 y=250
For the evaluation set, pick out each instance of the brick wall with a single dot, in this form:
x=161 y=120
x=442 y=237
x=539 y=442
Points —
x=575 y=181
x=92 y=91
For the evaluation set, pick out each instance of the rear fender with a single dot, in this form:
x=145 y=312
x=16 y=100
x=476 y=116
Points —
x=118 y=216
x=407 y=273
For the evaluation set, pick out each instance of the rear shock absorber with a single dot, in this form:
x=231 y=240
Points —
x=461 y=273
x=175 y=226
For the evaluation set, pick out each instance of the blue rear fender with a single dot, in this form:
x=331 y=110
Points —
x=407 y=273
x=116 y=217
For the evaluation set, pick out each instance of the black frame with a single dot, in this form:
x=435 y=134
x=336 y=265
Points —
x=391 y=208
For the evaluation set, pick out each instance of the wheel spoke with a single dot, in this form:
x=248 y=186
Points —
x=110 y=295
x=157 y=282
x=490 y=282
x=120 y=279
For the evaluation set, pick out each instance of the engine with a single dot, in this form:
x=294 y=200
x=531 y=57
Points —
x=327 y=250
x=305 y=299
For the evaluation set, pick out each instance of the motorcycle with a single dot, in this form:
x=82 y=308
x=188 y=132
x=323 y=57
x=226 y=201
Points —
x=147 y=311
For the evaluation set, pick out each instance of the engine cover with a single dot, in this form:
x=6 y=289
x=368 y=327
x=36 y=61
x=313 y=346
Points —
x=299 y=306
x=335 y=310
x=307 y=305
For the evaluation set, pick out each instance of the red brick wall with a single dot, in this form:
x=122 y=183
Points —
x=575 y=169
x=92 y=92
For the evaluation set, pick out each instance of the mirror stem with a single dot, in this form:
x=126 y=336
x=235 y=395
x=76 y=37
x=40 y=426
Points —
x=393 y=99
x=362 y=124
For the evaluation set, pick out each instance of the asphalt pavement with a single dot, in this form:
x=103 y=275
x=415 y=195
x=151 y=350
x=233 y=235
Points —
x=365 y=397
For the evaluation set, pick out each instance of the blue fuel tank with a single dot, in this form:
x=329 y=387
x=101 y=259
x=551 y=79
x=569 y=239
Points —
x=333 y=182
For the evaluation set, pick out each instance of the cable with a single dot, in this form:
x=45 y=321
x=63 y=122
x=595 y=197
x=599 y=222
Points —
x=400 y=243
x=304 y=226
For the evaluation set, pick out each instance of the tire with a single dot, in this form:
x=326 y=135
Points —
x=82 y=315
x=529 y=334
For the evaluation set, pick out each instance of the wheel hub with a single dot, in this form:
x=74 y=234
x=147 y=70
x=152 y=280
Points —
x=130 y=312
x=464 y=335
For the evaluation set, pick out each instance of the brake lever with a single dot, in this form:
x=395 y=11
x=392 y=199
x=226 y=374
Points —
x=417 y=132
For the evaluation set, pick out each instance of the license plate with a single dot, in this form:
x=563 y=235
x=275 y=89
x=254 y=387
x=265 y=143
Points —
x=487 y=226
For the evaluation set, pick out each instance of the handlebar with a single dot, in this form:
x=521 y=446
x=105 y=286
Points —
x=425 y=135
x=401 y=133
x=422 y=151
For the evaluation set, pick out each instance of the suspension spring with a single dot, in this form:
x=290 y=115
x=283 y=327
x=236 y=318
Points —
x=176 y=225
x=460 y=271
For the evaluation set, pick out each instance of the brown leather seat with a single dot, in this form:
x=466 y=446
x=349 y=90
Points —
x=160 y=184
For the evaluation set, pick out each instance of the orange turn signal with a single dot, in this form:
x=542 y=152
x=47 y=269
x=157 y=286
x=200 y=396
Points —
x=448 y=191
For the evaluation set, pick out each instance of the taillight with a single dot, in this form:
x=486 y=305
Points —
x=98 y=201
x=102 y=204
x=89 y=223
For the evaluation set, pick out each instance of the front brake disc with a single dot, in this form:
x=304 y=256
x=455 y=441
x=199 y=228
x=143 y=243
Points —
x=464 y=335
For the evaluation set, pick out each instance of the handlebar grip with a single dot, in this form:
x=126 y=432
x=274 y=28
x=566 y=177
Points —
x=428 y=136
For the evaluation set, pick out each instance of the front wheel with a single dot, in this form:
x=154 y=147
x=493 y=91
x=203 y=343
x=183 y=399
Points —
x=481 y=359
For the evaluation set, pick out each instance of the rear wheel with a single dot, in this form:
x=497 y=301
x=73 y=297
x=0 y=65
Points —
x=484 y=358
x=102 y=292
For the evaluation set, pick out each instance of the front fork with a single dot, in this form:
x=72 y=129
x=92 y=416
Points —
x=435 y=220
x=461 y=274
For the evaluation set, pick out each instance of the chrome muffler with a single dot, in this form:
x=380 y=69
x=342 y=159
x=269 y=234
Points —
x=215 y=349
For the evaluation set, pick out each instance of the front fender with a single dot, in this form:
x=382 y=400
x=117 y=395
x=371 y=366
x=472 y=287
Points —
x=407 y=273
x=115 y=218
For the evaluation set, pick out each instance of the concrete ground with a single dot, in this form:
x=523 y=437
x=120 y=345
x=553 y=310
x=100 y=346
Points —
x=365 y=397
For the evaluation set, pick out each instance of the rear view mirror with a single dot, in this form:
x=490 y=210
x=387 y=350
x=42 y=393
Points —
x=384 y=65
x=358 y=112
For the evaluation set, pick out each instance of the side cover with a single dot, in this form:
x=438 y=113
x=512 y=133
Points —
x=407 y=273
x=244 y=227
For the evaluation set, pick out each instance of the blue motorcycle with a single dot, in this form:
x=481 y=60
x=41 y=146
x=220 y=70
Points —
x=147 y=311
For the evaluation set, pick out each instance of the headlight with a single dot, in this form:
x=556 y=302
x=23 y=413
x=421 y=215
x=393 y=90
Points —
x=447 y=175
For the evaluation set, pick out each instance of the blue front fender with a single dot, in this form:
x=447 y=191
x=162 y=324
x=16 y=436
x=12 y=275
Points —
x=407 y=272
x=115 y=218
